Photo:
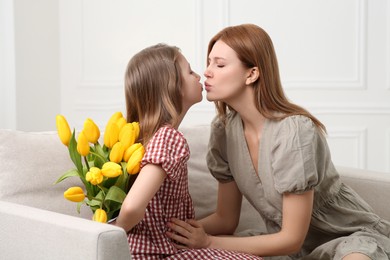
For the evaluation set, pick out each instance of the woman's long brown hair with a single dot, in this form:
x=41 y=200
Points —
x=254 y=48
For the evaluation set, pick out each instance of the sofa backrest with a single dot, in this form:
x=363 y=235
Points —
x=372 y=186
x=30 y=163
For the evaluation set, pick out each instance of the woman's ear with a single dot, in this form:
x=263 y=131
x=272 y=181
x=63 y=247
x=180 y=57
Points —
x=253 y=75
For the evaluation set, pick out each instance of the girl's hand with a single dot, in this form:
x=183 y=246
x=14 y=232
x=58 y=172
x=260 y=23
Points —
x=188 y=234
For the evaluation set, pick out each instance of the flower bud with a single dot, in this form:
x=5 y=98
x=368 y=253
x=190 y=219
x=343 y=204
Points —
x=127 y=135
x=75 y=194
x=136 y=130
x=134 y=163
x=111 y=169
x=111 y=135
x=129 y=151
x=100 y=216
x=91 y=131
x=121 y=122
x=63 y=129
x=117 y=152
x=94 y=176
x=82 y=144
x=114 y=118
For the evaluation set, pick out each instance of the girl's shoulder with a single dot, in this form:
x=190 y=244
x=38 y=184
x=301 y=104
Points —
x=167 y=131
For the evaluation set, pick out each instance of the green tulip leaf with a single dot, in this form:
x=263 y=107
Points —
x=115 y=194
x=121 y=181
x=74 y=155
x=114 y=199
x=99 y=159
x=70 y=173
x=79 y=204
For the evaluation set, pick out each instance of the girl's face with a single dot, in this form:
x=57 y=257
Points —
x=225 y=75
x=192 y=88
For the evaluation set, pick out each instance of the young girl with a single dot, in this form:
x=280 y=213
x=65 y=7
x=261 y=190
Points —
x=160 y=87
x=275 y=153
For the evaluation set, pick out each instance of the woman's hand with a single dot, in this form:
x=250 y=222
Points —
x=188 y=234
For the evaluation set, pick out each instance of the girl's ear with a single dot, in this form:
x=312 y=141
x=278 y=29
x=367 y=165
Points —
x=253 y=75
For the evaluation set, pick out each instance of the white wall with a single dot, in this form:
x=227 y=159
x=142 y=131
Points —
x=334 y=58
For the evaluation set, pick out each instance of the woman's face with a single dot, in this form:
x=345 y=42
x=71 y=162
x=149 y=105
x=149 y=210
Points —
x=192 y=88
x=225 y=74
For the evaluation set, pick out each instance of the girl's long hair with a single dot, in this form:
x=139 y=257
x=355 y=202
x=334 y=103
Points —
x=153 y=82
x=254 y=48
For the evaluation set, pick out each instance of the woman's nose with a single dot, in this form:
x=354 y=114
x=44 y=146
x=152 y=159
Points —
x=207 y=73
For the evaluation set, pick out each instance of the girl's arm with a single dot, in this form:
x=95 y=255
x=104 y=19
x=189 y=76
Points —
x=297 y=210
x=144 y=188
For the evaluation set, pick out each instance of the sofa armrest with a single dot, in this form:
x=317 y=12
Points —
x=31 y=233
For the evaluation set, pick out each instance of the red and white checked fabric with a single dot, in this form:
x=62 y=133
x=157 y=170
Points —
x=147 y=240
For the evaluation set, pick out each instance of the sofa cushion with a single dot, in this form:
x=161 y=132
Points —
x=30 y=164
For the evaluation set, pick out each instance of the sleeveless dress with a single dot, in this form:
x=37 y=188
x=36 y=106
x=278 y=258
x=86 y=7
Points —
x=293 y=158
x=147 y=240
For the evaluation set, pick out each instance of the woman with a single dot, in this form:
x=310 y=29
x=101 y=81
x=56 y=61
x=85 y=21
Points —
x=160 y=87
x=274 y=153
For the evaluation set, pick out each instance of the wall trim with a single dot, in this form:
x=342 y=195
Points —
x=388 y=45
x=359 y=135
x=387 y=159
x=350 y=109
x=357 y=83
x=7 y=66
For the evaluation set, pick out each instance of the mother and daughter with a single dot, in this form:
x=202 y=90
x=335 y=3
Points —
x=261 y=146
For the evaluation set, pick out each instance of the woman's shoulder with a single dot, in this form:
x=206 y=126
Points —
x=294 y=123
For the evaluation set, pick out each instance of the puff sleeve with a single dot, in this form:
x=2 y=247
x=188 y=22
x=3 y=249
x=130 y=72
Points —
x=294 y=155
x=216 y=157
x=169 y=149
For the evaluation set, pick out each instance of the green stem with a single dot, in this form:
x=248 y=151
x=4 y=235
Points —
x=86 y=162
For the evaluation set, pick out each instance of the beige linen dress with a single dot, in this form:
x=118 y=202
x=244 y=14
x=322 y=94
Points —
x=294 y=157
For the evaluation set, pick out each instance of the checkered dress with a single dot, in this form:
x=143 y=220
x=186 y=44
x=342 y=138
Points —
x=147 y=240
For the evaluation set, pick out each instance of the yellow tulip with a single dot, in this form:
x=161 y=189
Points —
x=63 y=129
x=100 y=216
x=117 y=152
x=136 y=130
x=82 y=144
x=134 y=163
x=129 y=151
x=94 y=176
x=91 y=131
x=127 y=135
x=111 y=169
x=75 y=194
x=114 y=118
x=111 y=135
x=121 y=122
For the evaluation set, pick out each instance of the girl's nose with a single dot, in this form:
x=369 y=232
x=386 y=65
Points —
x=198 y=76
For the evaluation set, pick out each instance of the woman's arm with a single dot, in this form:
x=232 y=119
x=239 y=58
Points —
x=144 y=188
x=297 y=210
x=225 y=219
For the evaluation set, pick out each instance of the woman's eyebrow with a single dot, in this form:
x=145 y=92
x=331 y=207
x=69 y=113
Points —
x=216 y=58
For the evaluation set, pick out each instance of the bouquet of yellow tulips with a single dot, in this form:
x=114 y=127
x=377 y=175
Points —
x=107 y=171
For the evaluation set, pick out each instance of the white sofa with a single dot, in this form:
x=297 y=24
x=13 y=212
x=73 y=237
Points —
x=36 y=222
